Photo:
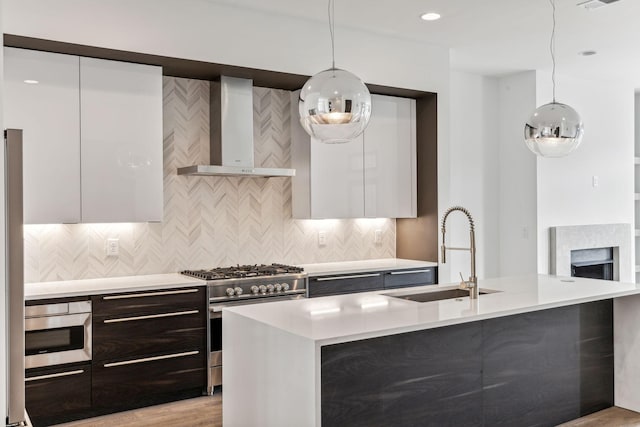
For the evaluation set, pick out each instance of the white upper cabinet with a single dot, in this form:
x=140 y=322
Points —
x=121 y=130
x=372 y=176
x=390 y=159
x=92 y=137
x=49 y=114
x=337 y=180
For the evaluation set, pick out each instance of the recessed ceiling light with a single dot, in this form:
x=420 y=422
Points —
x=430 y=16
x=31 y=82
x=588 y=52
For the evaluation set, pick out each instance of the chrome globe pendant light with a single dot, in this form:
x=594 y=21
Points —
x=554 y=129
x=334 y=105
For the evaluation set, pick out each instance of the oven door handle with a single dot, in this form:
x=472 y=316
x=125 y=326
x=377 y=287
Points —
x=217 y=308
x=151 y=316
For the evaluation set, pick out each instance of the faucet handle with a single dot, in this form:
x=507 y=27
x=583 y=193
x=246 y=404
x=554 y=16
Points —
x=467 y=284
x=463 y=283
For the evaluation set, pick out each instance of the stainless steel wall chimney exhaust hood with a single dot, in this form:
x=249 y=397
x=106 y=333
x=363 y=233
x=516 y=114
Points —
x=231 y=127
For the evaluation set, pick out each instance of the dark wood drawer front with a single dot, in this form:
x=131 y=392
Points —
x=122 y=386
x=54 y=392
x=410 y=277
x=120 y=338
x=148 y=302
x=344 y=284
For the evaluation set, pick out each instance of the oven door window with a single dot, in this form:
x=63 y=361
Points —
x=54 y=340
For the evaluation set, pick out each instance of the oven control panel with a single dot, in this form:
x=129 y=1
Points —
x=247 y=288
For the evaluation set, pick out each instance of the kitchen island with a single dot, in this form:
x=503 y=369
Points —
x=539 y=351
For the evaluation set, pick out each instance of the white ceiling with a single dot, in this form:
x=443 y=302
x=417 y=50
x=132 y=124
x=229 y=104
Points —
x=494 y=36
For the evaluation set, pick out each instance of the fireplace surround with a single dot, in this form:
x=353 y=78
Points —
x=614 y=237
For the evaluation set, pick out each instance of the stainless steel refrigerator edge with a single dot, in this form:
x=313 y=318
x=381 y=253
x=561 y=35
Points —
x=16 y=412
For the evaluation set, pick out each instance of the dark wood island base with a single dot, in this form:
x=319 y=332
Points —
x=539 y=368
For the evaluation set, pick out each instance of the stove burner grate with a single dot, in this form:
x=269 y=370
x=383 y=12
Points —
x=242 y=271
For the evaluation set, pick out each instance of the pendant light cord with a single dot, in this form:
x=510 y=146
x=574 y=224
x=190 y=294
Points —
x=552 y=48
x=330 y=12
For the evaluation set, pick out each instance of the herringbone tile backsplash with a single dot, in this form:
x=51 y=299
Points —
x=208 y=221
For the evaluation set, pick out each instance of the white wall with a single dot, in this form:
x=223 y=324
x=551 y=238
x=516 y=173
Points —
x=473 y=172
x=517 y=176
x=566 y=195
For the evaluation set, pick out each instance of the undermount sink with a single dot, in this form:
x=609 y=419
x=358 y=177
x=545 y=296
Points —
x=440 y=295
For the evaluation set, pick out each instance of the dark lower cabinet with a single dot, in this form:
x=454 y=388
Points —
x=149 y=347
x=321 y=286
x=535 y=369
x=410 y=277
x=58 y=394
x=178 y=331
x=135 y=383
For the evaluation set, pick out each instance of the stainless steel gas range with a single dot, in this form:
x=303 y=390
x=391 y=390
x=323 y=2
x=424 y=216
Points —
x=239 y=285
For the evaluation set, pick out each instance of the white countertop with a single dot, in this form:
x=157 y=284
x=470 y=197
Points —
x=372 y=314
x=346 y=267
x=71 y=288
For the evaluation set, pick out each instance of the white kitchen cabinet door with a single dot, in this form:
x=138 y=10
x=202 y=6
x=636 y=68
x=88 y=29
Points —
x=329 y=178
x=121 y=129
x=390 y=159
x=49 y=114
x=337 y=180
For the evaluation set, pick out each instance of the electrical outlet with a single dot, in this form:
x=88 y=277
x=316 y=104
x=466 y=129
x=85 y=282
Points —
x=377 y=236
x=112 y=247
x=322 y=238
x=595 y=181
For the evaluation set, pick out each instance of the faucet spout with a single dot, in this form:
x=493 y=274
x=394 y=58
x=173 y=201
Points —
x=472 y=284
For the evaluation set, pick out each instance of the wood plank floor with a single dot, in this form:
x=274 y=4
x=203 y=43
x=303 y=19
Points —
x=611 y=417
x=207 y=412
x=203 y=411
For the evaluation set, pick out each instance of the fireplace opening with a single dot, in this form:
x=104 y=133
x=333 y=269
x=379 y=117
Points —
x=592 y=263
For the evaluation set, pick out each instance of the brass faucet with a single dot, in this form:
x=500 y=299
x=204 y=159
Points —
x=472 y=284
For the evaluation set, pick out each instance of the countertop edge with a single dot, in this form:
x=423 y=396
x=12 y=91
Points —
x=535 y=293
x=476 y=318
x=104 y=286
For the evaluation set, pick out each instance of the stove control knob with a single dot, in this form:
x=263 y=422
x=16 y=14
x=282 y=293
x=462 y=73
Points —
x=278 y=287
x=238 y=290
x=263 y=289
x=230 y=292
x=285 y=287
x=254 y=289
x=270 y=288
